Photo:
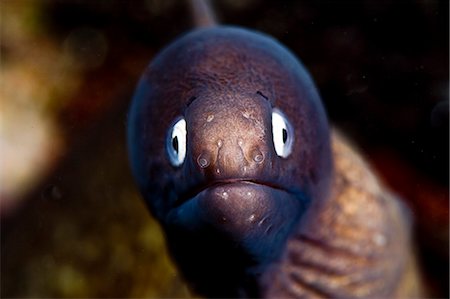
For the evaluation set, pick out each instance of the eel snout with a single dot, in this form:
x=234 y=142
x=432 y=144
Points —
x=232 y=139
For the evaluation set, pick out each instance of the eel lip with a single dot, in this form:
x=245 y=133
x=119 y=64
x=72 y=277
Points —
x=193 y=192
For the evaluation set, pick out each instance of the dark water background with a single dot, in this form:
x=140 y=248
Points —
x=382 y=68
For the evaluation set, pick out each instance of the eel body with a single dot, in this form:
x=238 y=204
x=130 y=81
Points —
x=354 y=245
x=231 y=148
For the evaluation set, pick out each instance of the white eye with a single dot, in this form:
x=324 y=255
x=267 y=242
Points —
x=282 y=134
x=176 y=143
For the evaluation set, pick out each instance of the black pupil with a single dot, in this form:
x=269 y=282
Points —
x=284 y=135
x=175 y=143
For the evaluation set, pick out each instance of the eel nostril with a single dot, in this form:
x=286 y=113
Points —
x=258 y=156
x=203 y=160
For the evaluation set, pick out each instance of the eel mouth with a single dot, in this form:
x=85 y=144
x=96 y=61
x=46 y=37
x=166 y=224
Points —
x=197 y=190
x=241 y=209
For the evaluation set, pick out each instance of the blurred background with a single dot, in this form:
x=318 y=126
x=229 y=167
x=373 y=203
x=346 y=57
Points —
x=72 y=222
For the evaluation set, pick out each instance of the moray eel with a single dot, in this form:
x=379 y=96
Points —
x=232 y=151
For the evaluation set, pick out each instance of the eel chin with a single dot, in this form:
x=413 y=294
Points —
x=250 y=214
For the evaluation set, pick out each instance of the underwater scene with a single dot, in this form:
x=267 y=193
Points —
x=73 y=221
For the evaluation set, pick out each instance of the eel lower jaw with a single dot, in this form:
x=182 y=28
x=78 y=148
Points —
x=255 y=216
x=240 y=207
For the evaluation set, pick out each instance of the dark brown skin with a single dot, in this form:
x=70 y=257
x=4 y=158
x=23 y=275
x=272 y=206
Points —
x=241 y=220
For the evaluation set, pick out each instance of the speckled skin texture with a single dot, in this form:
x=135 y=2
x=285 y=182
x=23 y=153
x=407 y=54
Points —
x=241 y=221
x=355 y=244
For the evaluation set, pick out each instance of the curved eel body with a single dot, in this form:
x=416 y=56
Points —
x=355 y=244
x=231 y=148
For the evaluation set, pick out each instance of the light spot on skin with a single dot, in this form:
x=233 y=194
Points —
x=261 y=222
x=246 y=114
x=218 y=171
x=251 y=218
x=249 y=194
x=268 y=229
x=219 y=143
x=224 y=194
x=210 y=118
x=379 y=240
